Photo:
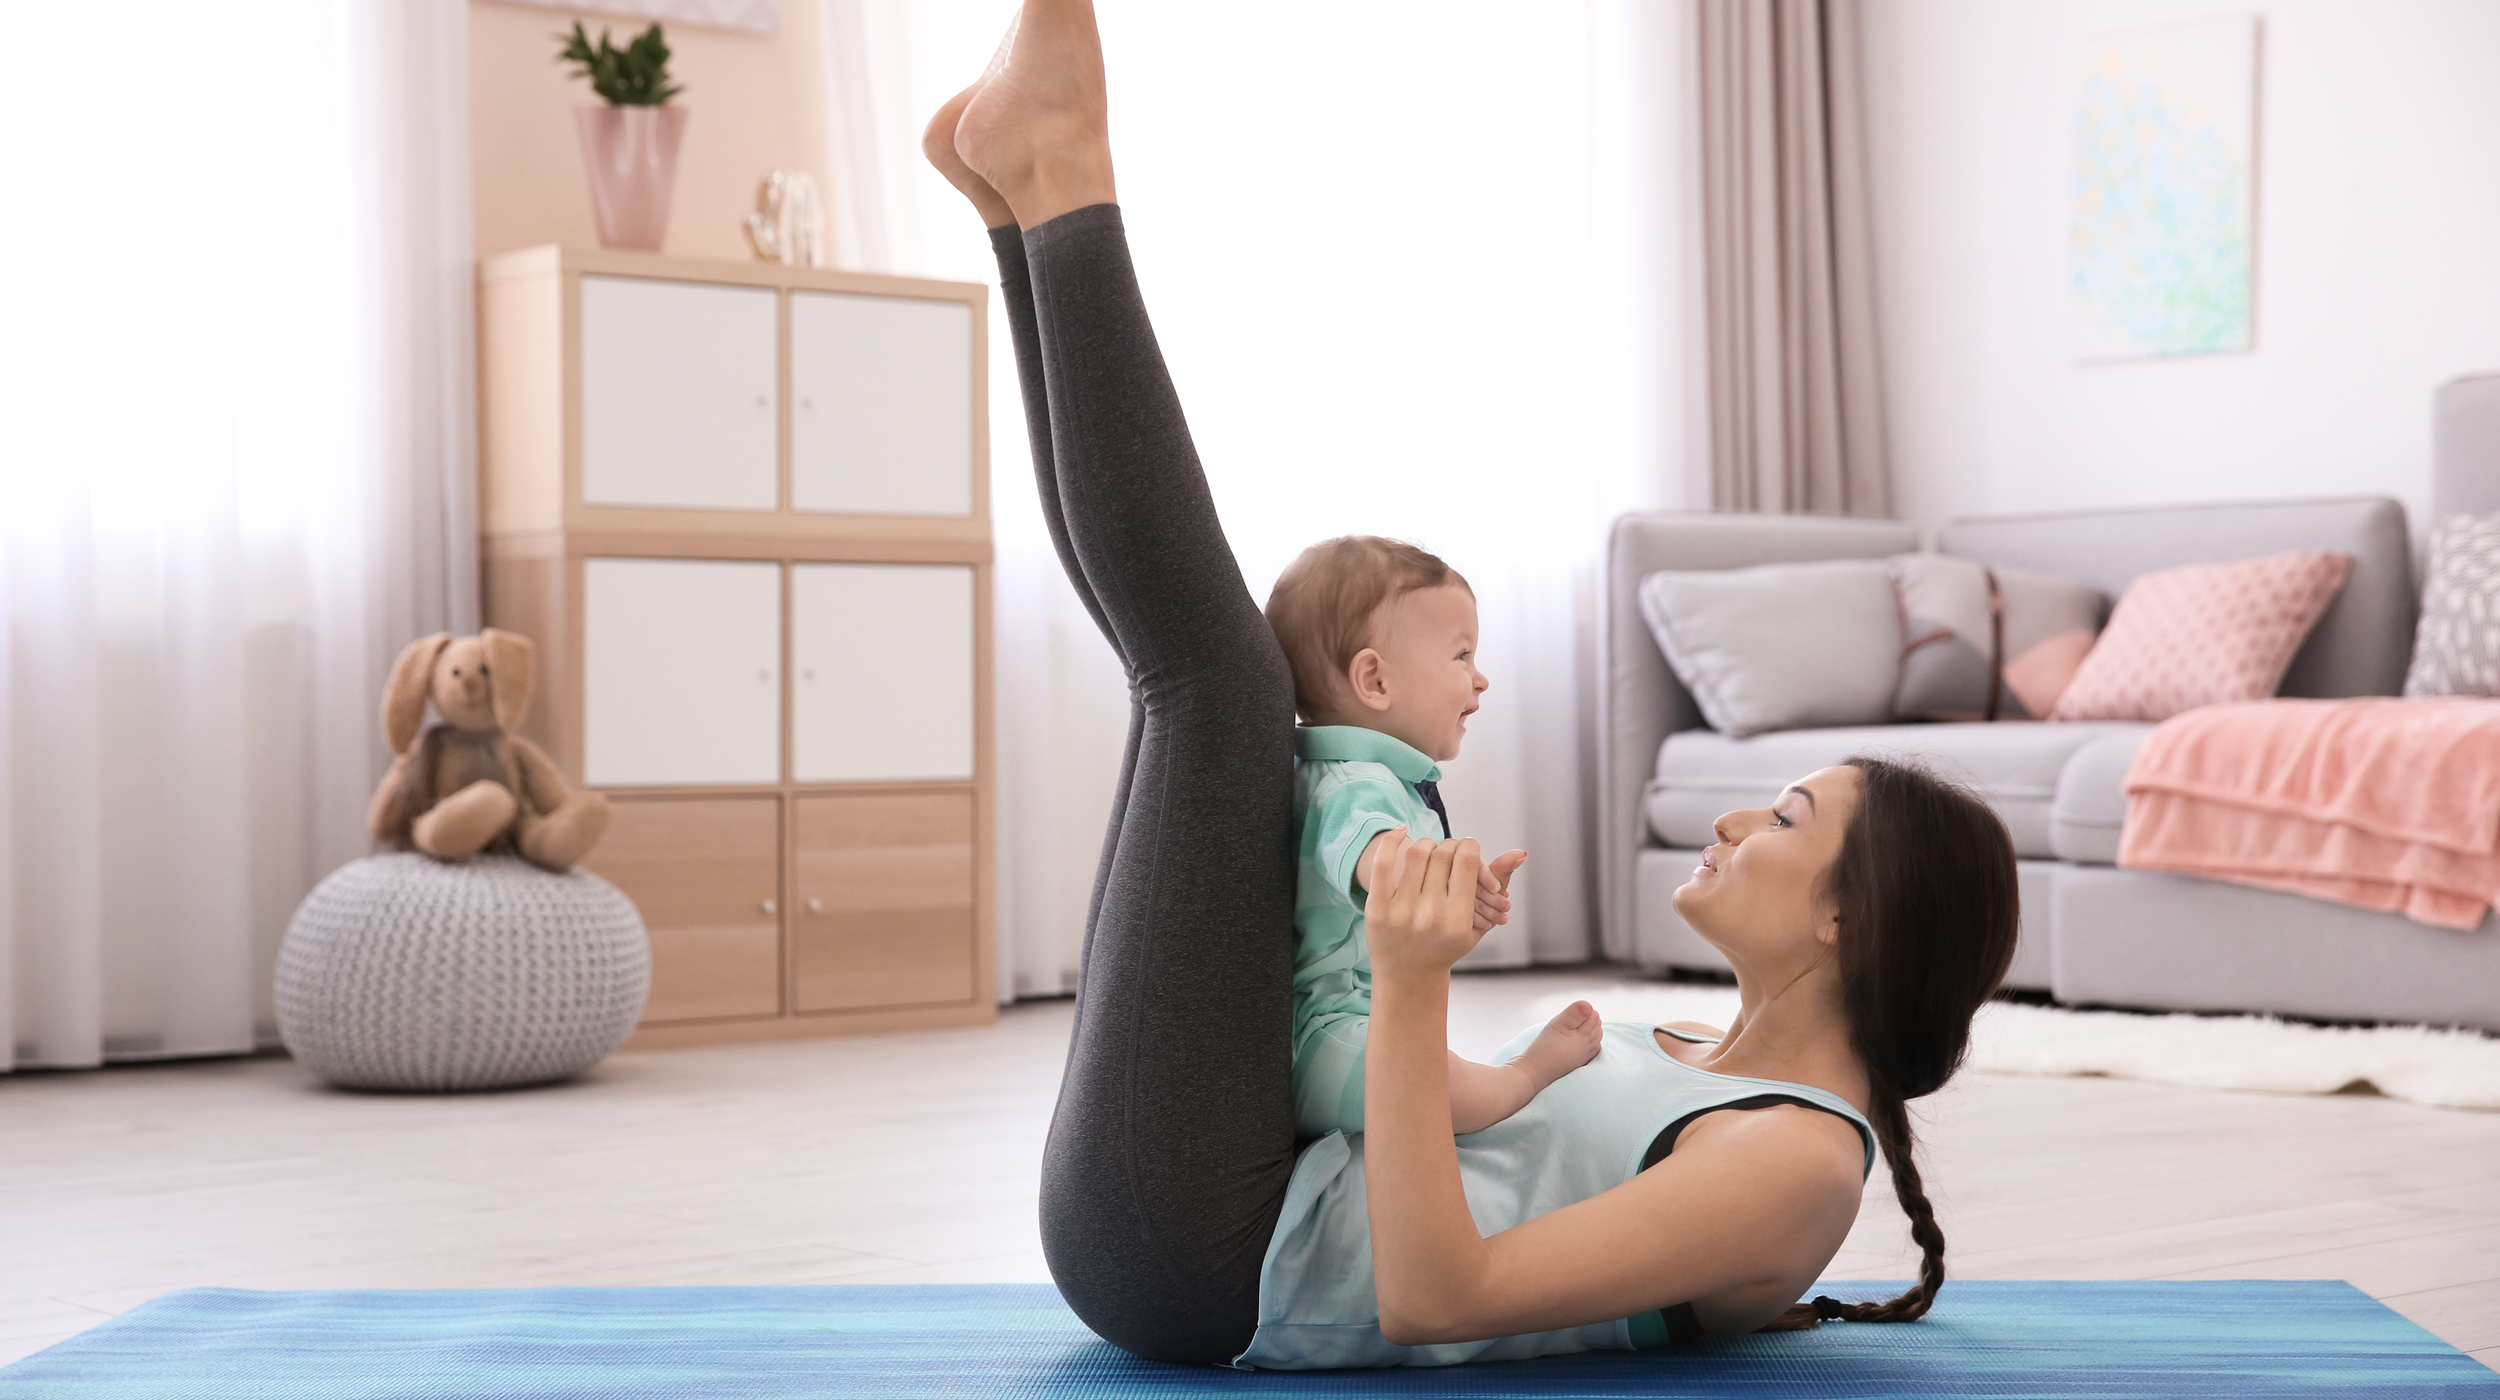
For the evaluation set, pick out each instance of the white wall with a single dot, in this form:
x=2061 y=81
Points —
x=2378 y=259
x=759 y=102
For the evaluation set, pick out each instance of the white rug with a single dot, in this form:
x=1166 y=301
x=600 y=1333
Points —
x=2441 y=1068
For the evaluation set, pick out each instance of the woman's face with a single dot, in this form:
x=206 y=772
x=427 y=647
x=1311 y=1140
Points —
x=1758 y=893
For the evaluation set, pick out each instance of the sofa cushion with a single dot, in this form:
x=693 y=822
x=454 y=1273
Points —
x=2203 y=634
x=1987 y=643
x=2456 y=647
x=2014 y=767
x=1780 y=646
x=2091 y=800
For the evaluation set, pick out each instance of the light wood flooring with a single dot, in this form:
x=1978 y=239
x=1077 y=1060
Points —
x=912 y=1159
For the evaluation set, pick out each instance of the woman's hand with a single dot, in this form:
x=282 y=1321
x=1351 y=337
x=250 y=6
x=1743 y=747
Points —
x=1421 y=918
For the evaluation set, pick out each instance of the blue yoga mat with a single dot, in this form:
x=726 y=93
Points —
x=2177 y=1341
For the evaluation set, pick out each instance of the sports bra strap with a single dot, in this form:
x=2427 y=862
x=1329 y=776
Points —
x=1664 y=1143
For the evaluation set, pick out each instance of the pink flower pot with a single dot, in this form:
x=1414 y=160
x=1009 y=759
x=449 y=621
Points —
x=632 y=154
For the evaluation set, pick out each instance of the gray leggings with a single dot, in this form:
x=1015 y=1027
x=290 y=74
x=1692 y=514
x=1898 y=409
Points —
x=1174 y=1137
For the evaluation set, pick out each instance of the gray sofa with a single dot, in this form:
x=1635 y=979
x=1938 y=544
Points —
x=2092 y=933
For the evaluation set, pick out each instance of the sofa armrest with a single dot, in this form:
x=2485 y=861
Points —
x=1639 y=700
x=2465 y=447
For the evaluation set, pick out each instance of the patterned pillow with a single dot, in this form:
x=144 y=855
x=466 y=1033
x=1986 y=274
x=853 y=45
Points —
x=1983 y=644
x=2456 y=650
x=2203 y=634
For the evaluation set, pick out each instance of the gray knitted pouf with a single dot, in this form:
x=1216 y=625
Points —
x=404 y=972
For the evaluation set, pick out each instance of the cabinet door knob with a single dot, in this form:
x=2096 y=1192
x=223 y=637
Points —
x=764 y=674
x=769 y=906
x=815 y=906
x=807 y=400
x=763 y=401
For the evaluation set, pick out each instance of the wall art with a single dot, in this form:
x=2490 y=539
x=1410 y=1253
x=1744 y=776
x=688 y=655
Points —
x=753 y=16
x=2163 y=229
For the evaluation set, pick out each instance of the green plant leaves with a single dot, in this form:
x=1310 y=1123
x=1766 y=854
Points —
x=633 y=76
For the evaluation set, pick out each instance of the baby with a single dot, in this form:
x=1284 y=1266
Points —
x=1382 y=640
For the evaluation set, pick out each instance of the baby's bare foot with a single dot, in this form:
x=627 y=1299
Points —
x=938 y=144
x=1568 y=1041
x=1037 y=128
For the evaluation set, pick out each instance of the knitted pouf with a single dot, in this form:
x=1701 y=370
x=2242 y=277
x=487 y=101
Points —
x=405 y=972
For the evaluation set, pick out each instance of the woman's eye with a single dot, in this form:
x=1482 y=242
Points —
x=1779 y=820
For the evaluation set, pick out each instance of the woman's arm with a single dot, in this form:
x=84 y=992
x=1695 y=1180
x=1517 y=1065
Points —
x=1419 y=921
x=1738 y=1221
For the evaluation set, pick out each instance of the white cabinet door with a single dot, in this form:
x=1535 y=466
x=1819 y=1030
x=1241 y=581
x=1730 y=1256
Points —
x=881 y=411
x=680 y=395
x=884 y=688
x=681 y=672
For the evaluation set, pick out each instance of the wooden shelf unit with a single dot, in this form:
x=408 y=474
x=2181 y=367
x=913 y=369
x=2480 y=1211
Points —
x=743 y=511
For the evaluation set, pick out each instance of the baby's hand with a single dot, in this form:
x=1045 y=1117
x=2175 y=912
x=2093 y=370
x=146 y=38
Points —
x=1493 y=889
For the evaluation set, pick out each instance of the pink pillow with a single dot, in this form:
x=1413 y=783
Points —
x=2202 y=634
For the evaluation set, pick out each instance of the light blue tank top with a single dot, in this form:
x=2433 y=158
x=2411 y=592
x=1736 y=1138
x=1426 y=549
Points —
x=1586 y=1134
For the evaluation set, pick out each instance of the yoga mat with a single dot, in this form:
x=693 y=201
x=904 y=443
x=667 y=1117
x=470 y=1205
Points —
x=2176 y=1341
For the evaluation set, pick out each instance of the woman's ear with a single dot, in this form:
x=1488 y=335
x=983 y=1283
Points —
x=514 y=663
x=403 y=696
x=1827 y=929
x=1368 y=675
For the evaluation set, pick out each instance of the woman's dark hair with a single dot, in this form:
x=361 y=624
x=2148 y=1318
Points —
x=1924 y=891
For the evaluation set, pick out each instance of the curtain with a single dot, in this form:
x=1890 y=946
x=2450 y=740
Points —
x=1795 y=424
x=235 y=477
x=1458 y=330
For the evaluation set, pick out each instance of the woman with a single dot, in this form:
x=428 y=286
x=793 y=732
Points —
x=1682 y=1182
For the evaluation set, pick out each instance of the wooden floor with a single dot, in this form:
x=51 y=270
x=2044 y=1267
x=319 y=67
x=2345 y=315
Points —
x=912 y=1158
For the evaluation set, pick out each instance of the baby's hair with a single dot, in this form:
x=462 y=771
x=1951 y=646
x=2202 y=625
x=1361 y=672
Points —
x=1324 y=601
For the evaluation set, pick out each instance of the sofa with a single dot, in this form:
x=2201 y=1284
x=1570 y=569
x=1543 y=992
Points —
x=2091 y=933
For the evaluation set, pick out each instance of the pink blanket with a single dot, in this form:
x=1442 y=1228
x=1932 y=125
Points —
x=2380 y=802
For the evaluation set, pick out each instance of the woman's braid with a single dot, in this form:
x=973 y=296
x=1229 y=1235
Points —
x=1891 y=1120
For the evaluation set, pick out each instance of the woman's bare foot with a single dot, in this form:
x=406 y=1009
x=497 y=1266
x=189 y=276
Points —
x=1037 y=128
x=938 y=144
x=1568 y=1041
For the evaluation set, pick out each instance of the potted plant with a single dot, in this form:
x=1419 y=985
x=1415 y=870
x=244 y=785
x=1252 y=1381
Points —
x=630 y=139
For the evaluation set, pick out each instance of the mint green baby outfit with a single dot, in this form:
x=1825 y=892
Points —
x=1349 y=785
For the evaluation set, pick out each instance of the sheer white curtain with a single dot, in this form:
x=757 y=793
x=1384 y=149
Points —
x=235 y=476
x=1418 y=268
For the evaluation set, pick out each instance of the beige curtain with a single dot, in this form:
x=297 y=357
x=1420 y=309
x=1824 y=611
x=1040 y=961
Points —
x=1795 y=422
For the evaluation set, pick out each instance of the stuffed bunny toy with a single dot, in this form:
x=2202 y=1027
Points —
x=469 y=784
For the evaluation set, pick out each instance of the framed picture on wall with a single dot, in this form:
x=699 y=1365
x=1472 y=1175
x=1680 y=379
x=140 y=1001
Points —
x=753 y=16
x=2164 y=168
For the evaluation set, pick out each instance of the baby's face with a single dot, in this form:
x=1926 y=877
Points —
x=1427 y=646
